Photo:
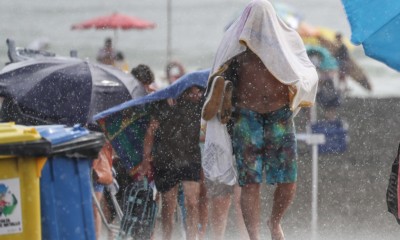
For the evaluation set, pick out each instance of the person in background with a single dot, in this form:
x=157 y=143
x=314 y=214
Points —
x=329 y=95
x=342 y=57
x=347 y=65
x=171 y=146
x=106 y=54
x=120 y=62
x=145 y=76
x=102 y=176
x=174 y=71
x=220 y=196
x=98 y=191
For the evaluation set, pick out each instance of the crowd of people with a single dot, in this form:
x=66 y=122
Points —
x=254 y=90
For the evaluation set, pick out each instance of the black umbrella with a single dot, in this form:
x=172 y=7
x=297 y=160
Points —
x=63 y=90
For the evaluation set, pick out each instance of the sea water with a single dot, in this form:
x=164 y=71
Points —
x=196 y=30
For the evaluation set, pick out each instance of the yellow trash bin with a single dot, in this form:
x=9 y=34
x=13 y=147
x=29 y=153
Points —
x=22 y=155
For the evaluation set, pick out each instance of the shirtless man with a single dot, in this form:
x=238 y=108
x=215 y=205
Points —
x=271 y=78
x=263 y=140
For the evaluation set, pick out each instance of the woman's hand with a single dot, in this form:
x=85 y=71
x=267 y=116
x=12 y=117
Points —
x=146 y=168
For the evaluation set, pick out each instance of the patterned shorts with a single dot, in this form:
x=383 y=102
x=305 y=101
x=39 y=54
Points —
x=265 y=142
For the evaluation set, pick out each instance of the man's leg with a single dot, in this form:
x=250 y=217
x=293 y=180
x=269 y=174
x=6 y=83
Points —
x=192 y=193
x=241 y=227
x=219 y=215
x=203 y=208
x=169 y=202
x=250 y=202
x=283 y=197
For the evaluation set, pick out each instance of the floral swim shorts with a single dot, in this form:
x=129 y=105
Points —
x=265 y=142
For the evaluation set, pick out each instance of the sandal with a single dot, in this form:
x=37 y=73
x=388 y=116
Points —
x=214 y=98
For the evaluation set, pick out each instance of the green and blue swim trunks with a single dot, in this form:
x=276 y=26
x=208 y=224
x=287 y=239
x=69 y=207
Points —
x=265 y=142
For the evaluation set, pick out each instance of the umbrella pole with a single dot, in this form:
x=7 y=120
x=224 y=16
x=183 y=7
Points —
x=115 y=38
x=314 y=201
x=313 y=139
x=314 y=181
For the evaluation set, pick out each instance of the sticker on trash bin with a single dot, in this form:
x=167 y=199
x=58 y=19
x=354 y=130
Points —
x=10 y=206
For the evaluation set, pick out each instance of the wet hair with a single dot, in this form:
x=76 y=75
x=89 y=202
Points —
x=119 y=56
x=189 y=90
x=143 y=73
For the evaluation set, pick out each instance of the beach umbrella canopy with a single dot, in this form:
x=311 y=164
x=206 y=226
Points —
x=312 y=35
x=65 y=90
x=115 y=21
x=125 y=125
x=375 y=24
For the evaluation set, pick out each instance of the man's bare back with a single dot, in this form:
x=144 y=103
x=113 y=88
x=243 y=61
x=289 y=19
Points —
x=257 y=89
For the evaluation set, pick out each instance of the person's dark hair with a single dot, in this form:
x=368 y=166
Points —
x=188 y=91
x=119 y=56
x=338 y=36
x=143 y=73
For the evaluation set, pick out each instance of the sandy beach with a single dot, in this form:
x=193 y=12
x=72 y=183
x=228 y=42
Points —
x=352 y=185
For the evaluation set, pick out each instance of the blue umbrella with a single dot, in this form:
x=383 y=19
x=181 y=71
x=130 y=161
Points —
x=64 y=90
x=375 y=24
x=125 y=125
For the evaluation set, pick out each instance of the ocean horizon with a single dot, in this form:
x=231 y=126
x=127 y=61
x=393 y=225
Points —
x=197 y=28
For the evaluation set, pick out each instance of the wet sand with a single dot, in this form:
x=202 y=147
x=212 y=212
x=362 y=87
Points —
x=352 y=185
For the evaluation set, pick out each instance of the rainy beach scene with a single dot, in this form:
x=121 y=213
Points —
x=200 y=120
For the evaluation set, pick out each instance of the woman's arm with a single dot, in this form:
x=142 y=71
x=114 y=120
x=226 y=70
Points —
x=148 y=146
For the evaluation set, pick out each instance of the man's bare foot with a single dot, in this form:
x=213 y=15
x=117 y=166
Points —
x=276 y=231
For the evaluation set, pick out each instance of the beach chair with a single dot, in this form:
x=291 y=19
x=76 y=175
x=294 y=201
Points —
x=140 y=210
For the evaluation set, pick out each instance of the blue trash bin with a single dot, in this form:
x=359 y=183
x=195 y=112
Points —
x=65 y=185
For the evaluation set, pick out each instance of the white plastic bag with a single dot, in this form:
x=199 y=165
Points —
x=217 y=158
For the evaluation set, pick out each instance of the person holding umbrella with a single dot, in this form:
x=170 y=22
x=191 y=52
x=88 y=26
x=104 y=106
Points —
x=171 y=145
x=178 y=155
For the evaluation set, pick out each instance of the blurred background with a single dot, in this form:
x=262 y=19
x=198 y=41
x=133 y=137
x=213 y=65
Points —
x=196 y=28
x=352 y=184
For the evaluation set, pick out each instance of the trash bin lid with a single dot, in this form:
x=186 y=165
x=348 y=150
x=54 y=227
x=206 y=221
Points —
x=58 y=134
x=12 y=133
x=37 y=148
x=87 y=146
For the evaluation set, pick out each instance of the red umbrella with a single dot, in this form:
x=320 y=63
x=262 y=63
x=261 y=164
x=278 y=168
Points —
x=115 y=21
